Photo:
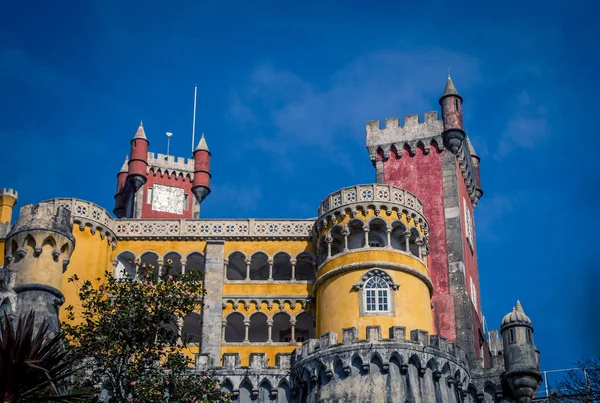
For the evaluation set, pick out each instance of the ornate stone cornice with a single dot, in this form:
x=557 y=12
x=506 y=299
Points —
x=257 y=300
x=88 y=214
x=383 y=199
x=373 y=265
x=213 y=229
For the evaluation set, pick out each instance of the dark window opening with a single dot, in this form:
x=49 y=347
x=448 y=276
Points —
x=456 y=104
x=511 y=336
x=529 y=336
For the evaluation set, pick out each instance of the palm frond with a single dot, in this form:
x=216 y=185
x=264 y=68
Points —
x=34 y=364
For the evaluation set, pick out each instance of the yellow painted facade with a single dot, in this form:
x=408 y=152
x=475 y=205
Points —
x=327 y=302
x=7 y=204
x=90 y=259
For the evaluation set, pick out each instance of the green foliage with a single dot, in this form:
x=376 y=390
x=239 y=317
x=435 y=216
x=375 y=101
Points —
x=34 y=366
x=127 y=332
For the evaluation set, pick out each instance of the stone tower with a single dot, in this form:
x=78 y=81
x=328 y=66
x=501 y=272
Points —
x=433 y=159
x=37 y=251
x=159 y=186
x=520 y=355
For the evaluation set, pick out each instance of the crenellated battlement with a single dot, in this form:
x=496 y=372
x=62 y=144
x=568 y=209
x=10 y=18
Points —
x=171 y=162
x=412 y=129
x=9 y=192
x=419 y=340
x=44 y=216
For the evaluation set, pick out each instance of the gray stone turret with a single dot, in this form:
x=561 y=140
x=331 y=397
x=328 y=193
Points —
x=520 y=355
x=37 y=251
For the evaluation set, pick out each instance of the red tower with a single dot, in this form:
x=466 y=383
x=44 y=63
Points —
x=201 y=187
x=435 y=160
x=160 y=186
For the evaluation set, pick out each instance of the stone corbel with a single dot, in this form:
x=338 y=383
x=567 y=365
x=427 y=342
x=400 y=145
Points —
x=55 y=255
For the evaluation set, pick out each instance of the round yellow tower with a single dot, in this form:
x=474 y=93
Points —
x=372 y=247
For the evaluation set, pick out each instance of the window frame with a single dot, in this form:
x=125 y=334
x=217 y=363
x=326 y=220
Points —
x=469 y=226
x=379 y=293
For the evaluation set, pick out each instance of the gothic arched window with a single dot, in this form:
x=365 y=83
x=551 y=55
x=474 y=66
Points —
x=376 y=295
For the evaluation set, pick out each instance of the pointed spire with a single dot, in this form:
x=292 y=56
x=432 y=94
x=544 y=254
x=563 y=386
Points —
x=140 y=134
x=519 y=307
x=125 y=167
x=516 y=316
x=202 y=146
x=450 y=88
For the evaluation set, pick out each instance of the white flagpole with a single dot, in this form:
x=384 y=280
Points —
x=194 y=119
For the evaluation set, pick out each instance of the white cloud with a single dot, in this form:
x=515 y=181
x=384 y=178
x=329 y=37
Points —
x=374 y=86
x=527 y=127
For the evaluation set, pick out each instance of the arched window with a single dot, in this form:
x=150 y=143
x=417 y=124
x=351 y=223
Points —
x=305 y=328
x=195 y=262
x=172 y=263
x=259 y=266
x=337 y=240
x=282 y=266
x=376 y=295
x=125 y=265
x=377 y=233
x=234 y=330
x=356 y=239
x=305 y=267
x=258 y=330
x=236 y=266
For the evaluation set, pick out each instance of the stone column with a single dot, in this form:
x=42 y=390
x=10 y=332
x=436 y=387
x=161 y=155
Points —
x=366 y=230
x=223 y=328
x=293 y=335
x=246 y=329
x=248 y=269
x=345 y=233
x=329 y=240
x=270 y=330
x=159 y=269
x=180 y=331
x=183 y=264
x=406 y=236
x=419 y=243
x=270 y=261
x=389 y=237
x=225 y=262
x=213 y=300
x=293 y=262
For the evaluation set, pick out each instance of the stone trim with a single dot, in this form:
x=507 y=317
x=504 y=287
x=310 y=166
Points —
x=376 y=196
x=359 y=287
x=246 y=300
x=370 y=265
x=370 y=249
x=214 y=229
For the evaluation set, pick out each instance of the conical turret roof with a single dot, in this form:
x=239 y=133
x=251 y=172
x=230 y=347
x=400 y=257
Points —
x=125 y=167
x=450 y=88
x=517 y=316
x=202 y=146
x=140 y=134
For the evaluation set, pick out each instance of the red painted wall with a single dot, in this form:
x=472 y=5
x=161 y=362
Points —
x=422 y=175
x=470 y=259
x=175 y=181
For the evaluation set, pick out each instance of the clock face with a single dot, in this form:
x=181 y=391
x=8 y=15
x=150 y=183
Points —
x=168 y=199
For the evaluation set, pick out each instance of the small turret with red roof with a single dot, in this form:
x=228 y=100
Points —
x=201 y=184
x=138 y=159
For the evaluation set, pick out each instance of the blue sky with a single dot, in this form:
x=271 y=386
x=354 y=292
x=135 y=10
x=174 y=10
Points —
x=284 y=90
